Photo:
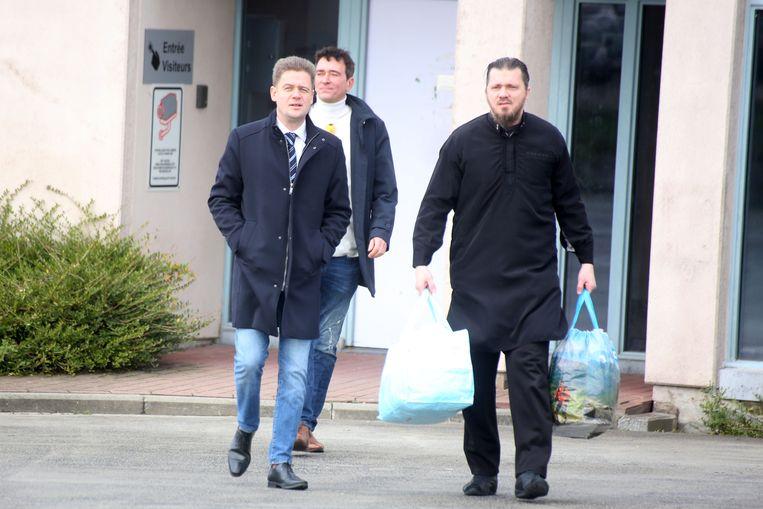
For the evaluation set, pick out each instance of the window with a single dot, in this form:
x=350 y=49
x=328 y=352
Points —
x=611 y=57
x=750 y=331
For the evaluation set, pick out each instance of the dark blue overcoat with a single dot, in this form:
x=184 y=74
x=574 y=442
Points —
x=281 y=235
x=373 y=184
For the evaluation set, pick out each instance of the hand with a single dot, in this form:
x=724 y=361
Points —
x=586 y=278
x=424 y=280
x=376 y=247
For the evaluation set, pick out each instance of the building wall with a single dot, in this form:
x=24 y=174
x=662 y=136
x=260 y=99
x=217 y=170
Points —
x=63 y=76
x=489 y=29
x=694 y=176
x=179 y=216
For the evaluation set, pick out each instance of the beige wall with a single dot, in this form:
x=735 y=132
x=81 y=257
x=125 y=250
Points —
x=489 y=29
x=63 y=76
x=696 y=156
x=180 y=216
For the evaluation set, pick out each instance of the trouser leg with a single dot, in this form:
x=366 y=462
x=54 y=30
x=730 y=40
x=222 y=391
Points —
x=527 y=375
x=339 y=281
x=481 y=443
x=293 y=355
x=248 y=362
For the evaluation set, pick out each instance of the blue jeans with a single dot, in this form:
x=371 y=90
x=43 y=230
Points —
x=339 y=280
x=293 y=355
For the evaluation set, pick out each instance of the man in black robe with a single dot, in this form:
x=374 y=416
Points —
x=508 y=178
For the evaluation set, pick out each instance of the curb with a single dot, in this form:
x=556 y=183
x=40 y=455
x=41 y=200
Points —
x=197 y=406
x=129 y=404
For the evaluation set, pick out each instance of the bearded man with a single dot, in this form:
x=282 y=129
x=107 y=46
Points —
x=508 y=178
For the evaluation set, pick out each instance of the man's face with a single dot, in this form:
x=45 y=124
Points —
x=331 y=81
x=293 y=95
x=506 y=95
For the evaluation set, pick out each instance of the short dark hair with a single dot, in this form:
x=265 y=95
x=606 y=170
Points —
x=338 y=54
x=508 y=63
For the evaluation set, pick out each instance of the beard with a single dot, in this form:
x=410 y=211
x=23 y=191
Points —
x=509 y=119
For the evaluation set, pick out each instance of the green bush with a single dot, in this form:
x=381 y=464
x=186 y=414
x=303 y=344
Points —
x=724 y=417
x=83 y=296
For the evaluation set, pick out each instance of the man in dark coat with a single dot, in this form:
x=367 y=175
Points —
x=281 y=201
x=506 y=175
x=373 y=197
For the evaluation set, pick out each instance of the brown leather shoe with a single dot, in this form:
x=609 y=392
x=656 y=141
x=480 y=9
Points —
x=303 y=437
x=313 y=445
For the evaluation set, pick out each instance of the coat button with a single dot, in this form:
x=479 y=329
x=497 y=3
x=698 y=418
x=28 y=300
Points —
x=275 y=286
x=323 y=139
x=315 y=148
x=279 y=237
x=284 y=189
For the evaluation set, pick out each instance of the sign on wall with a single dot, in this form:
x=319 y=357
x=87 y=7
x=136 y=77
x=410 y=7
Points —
x=168 y=56
x=166 y=113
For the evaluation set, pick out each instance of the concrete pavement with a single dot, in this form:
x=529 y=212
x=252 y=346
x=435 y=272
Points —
x=99 y=461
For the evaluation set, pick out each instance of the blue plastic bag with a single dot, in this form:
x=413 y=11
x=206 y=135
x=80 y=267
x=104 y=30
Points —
x=584 y=378
x=427 y=376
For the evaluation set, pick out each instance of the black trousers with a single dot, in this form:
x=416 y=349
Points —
x=527 y=375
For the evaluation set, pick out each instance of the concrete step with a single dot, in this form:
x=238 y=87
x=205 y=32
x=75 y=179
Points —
x=652 y=421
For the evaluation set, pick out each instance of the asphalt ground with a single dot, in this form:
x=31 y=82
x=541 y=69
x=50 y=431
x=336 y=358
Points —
x=84 y=461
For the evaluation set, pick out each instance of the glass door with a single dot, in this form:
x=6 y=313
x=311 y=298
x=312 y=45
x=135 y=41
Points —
x=749 y=337
x=642 y=188
x=267 y=30
x=605 y=99
x=593 y=140
x=273 y=29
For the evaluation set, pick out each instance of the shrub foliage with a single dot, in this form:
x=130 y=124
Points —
x=724 y=417
x=81 y=295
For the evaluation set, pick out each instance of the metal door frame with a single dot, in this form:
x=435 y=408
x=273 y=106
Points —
x=562 y=90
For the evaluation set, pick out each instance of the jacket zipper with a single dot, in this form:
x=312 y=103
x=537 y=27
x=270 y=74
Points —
x=285 y=283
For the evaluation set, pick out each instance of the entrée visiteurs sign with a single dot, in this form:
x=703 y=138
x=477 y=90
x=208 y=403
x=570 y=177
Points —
x=168 y=56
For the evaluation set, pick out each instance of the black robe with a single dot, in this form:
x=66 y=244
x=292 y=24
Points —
x=506 y=188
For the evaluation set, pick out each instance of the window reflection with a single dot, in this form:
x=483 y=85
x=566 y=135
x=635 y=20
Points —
x=594 y=139
x=750 y=345
x=653 y=21
x=273 y=29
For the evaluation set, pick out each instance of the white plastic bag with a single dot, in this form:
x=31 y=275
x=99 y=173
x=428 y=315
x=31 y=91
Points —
x=427 y=376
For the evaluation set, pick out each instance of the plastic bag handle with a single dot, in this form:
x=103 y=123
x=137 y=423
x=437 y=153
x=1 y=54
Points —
x=585 y=297
x=434 y=309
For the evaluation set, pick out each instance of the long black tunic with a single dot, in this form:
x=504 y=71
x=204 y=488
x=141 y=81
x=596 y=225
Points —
x=505 y=188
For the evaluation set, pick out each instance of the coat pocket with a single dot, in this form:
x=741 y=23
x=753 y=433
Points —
x=245 y=238
x=259 y=249
x=310 y=259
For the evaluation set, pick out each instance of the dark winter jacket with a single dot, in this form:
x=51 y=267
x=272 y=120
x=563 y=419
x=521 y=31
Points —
x=374 y=189
x=506 y=189
x=281 y=237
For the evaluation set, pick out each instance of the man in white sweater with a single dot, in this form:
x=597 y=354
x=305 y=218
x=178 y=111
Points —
x=373 y=197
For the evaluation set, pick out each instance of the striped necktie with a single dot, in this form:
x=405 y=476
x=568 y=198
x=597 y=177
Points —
x=290 y=137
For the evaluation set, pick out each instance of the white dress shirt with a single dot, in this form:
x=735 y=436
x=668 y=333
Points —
x=300 y=140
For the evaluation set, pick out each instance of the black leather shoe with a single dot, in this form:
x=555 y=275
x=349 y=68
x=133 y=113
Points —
x=530 y=485
x=481 y=486
x=282 y=476
x=239 y=454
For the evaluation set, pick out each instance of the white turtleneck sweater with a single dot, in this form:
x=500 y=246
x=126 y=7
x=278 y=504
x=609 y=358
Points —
x=335 y=118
